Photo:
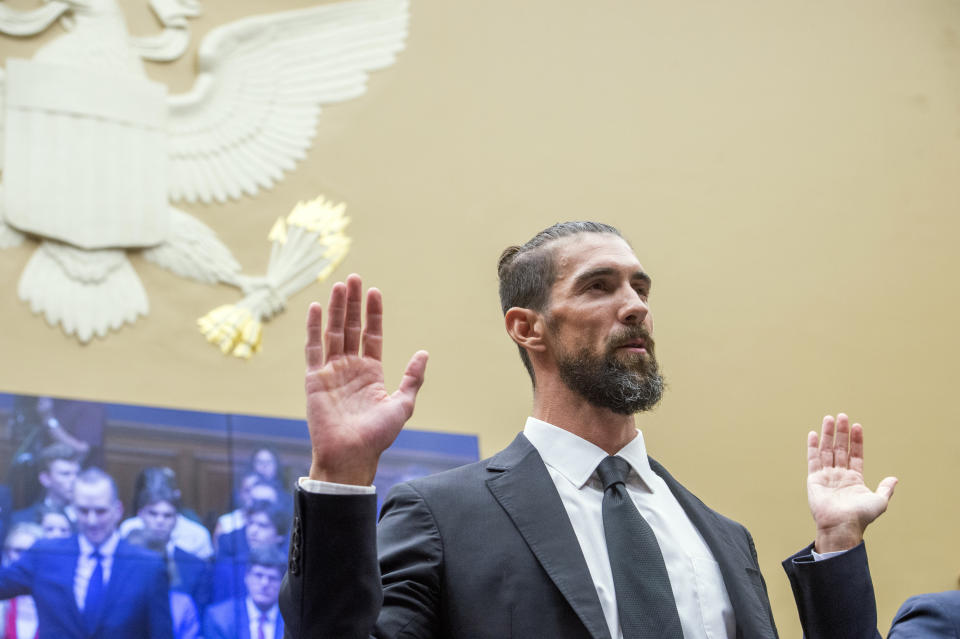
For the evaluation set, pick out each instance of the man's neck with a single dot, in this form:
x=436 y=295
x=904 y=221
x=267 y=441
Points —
x=599 y=426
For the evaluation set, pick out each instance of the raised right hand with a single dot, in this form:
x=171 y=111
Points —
x=351 y=416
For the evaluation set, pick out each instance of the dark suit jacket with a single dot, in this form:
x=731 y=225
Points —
x=196 y=578
x=482 y=551
x=835 y=599
x=229 y=620
x=29 y=514
x=136 y=605
x=834 y=596
x=935 y=614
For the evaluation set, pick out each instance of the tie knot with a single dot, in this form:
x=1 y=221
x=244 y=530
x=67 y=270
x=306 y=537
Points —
x=613 y=470
x=96 y=555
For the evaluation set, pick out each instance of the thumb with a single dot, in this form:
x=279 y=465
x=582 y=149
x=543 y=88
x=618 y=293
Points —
x=412 y=378
x=886 y=487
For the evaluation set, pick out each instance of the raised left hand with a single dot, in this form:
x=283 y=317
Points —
x=840 y=501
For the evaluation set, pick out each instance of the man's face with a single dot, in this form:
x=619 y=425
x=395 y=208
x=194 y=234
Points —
x=159 y=518
x=58 y=479
x=599 y=324
x=260 y=531
x=98 y=511
x=263 y=584
x=264 y=464
x=15 y=545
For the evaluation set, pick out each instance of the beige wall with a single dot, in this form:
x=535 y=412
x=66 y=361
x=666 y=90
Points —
x=788 y=172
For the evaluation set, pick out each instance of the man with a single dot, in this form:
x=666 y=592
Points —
x=58 y=470
x=18 y=616
x=93 y=584
x=255 y=615
x=935 y=614
x=159 y=511
x=187 y=534
x=570 y=532
x=266 y=527
x=253 y=488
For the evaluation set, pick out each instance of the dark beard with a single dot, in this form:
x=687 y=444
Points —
x=624 y=385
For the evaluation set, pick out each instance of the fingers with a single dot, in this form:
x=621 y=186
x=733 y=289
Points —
x=826 y=441
x=886 y=487
x=336 y=317
x=412 y=380
x=842 y=441
x=351 y=334
x=373 y=331
x=856 y=448
x=313 y=351
x=813 y=452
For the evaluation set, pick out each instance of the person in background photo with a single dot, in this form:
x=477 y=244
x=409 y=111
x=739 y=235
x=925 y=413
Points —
x=187 y=573
x=253 y=488
x=265 y=462
x=93 y=584
x=267 y=527
x=59 y=466
x=54 y=523
x=254 y=615
x=188 y=535
x=18 y=616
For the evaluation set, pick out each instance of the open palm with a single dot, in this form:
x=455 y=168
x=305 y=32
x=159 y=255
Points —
x=840 y=501
x=351 y=416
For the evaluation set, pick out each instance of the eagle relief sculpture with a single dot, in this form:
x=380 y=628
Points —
x=94 y=155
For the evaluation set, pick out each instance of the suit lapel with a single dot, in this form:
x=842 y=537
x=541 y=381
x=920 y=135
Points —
x=740 y=575
x=68 y=569
x=523 y=487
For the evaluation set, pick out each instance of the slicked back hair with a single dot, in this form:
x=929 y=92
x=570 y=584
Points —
x=527 y=272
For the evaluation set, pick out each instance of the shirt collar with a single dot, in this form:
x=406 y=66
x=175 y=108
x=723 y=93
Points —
x=576 y=459
x=106 y=549
x=253 y=612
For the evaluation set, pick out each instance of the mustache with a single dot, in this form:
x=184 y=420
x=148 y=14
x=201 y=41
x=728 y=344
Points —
x=630 y=334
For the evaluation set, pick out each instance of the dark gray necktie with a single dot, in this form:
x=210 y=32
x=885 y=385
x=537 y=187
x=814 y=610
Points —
x=645 y=600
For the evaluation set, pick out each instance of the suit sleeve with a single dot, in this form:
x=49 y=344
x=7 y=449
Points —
x=834 y=596
x=17 y=578
x=158 y=606
x=211 y=628
x=333 y=587
x=929 y=615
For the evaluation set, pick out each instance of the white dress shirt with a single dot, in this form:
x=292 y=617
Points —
x=187 y=535
x=269 y=626
x=702 y=601
x=86 y=564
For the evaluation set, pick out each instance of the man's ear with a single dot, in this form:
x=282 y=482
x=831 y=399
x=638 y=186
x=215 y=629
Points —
x=525 y=327
x=44 y=479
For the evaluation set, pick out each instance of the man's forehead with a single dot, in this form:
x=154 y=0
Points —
x=92 y=491
x=587 y=251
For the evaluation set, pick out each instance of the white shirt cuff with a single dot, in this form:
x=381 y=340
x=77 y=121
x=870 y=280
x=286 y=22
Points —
x=827 y=555
x=330 y=488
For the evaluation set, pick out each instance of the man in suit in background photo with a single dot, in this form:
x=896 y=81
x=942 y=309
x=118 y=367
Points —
x=256 y=614
x=572 y=531
x=59 y=466
x=93 y=584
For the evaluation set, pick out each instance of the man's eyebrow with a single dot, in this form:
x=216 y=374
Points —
x=606 y=271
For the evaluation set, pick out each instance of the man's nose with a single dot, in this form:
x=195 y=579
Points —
x=633 y=309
